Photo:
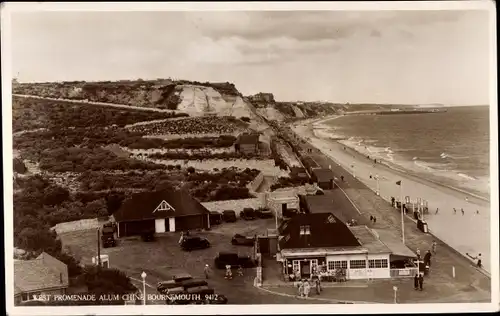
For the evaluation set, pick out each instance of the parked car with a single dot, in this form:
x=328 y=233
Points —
x=229 y=216
x=108 y=237
x=193 y=283
x=149 y=236
x=248 y=214
x=194 y=242
x=215 y=218
x=182 y=277
x=233 y=259
x=264 y=213
x=242 y=240
x=171 y=285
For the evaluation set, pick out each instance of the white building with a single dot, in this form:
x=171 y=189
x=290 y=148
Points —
x=321 y=244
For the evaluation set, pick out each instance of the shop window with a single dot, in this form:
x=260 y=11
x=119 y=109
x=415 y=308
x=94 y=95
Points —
x=305 y=230
x=357 y=264
x=377 y=263
x=332 y=265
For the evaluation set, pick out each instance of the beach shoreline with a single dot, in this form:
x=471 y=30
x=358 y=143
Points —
x=446 y=225
x=477 y=194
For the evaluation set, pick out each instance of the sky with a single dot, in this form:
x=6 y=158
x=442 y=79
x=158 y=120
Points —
x=409 y=57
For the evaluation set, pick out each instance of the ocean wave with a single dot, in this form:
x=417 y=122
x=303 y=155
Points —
x=446 y=155
x=466 y=176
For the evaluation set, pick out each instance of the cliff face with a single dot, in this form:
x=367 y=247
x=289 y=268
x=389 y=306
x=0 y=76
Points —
x=192 y=97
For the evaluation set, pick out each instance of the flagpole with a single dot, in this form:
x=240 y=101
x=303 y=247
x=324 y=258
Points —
x=402 y=213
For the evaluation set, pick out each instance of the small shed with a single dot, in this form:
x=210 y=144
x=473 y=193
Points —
x=324 y=178
x=247 y=143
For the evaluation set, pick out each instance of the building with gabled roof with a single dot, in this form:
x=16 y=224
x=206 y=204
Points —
x=321 y=244
x=43 y=275
x=161 y=211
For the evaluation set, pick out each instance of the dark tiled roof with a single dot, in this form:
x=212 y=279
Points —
x=326 y=231
x=248 y=139
x=141 y=206
x=319 y=203
x=323 y=175
x=44 y=272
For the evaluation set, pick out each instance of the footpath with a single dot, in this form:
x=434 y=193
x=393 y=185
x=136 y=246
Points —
x=469 y=284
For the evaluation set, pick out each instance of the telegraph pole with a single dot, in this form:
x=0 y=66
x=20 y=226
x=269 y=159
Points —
x=99 y=247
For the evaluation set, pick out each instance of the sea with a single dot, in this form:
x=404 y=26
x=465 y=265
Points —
x=451 y=148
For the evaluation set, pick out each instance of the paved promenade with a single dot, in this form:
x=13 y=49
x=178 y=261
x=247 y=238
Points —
x=469 y=283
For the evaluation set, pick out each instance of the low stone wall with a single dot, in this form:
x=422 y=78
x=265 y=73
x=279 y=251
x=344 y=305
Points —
x=84 y=224
x=255 y=184
x=235 y=205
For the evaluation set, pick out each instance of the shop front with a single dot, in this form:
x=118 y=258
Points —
x=302 y=268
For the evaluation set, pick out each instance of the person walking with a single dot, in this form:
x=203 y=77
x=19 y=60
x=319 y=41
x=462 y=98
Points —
x=437 y=210
x=301 y=288
x=318 y=285
x=477 y=212
x=229 y=273
x=342 y=178
x=454 y=211
x=374 y=219
x=462 y=211
x=415 y=281
x=307 y=288
x=427 y=258
x=421 y=281
x=479 y=262
x=434 y=246
x=206 y=270
x=240 y=271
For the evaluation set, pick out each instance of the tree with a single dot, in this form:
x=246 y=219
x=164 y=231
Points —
x=55 y=195
x=19 y=166
x=107 y=281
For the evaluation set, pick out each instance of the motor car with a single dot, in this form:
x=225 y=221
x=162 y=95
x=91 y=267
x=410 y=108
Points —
x=241 y=240
x=202 y=289
x=229 y=216
x=108 y=237
x=248 y=214
x=193 y=283
x=182 y=277
x=233 y=259
x=194 y=242
x=215 y=218
x=264 y=213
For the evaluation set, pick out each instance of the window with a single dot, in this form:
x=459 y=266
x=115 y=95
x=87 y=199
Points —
x=332 y=265
x=377 y=263
x=305 y=230
x=357 y=264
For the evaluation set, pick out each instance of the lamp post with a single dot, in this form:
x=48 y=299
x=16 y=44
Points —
x=143 y=276
x=353 y=171
x=395 y=288
x=378 y=184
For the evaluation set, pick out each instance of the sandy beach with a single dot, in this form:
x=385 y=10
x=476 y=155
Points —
x=467 y=233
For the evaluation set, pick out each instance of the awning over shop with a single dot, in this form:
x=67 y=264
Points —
x=399 y=251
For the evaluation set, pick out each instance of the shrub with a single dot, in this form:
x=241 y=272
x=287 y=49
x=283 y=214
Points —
x=19 y=166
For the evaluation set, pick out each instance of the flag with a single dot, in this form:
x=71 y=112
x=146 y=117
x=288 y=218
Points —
x=398 y=182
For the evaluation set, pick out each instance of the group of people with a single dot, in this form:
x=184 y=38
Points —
x=373 y=219
x=305 y=286
x=229 y=272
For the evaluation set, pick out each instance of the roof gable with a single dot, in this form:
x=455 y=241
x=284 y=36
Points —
x=316 y=231
x=149 y=205
x=164 y=206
